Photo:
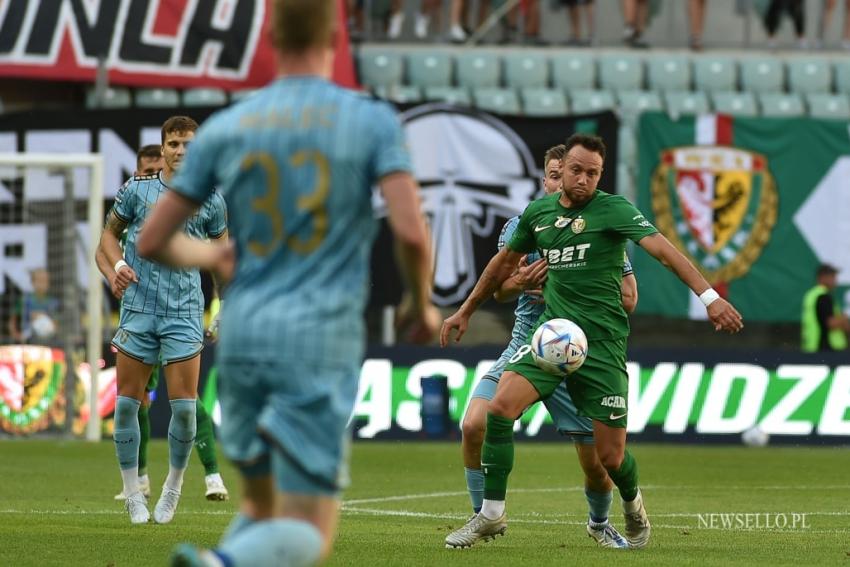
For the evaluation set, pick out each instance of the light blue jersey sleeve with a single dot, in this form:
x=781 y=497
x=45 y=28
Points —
x=507 y=231
x=125 y=202
x=217 y=222
x=390 y=153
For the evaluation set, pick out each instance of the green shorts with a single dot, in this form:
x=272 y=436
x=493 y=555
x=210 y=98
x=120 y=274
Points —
x=599 y=389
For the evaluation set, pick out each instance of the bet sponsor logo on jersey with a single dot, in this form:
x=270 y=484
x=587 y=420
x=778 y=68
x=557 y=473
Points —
x=566 y=257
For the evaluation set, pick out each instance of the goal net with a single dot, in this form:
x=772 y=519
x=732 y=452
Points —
x=51 y=295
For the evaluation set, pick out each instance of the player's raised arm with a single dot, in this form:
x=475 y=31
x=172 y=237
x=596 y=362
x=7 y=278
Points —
x=721 y=313
x=417 y=315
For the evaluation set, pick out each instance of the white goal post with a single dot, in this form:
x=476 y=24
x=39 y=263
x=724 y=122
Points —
x=94 y=296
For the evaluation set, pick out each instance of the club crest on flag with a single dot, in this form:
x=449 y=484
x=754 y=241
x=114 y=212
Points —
x=718 y=205
x=30 y=381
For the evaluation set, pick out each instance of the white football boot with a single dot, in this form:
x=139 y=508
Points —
x=137 y=506
x=637 y=526
x=479 y=527
x=216 y=490
x=606 y=536
x=165 y=507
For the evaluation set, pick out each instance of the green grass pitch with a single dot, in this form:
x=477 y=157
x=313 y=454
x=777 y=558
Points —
x=57 y=507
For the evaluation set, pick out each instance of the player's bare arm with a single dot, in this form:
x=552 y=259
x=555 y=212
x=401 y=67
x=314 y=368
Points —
x=526 y=277
x=629 y=293
x=721 y=313
x=109 y=254
x=417 y=316
x=500 y=268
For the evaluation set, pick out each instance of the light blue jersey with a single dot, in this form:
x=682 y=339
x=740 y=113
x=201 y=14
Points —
x=296 y=163
x=527 y=311
x=162 y=291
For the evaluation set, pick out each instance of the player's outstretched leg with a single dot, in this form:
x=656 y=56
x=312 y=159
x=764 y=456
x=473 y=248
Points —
x=473 y=428
x=497 y=458
x=181 y=436
x=637 y=522
x=610 y=441
x=599 y=492
x=598 y=526
x=637 y=525
x=205 y=445
x=126 y=438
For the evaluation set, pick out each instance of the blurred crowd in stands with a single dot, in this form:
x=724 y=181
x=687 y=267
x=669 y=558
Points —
x=519 y=21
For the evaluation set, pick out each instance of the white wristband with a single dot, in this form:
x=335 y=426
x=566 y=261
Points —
x=709 y=296
x=120 y=264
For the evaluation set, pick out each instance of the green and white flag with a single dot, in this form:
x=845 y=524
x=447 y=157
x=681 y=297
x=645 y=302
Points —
x=755 y=203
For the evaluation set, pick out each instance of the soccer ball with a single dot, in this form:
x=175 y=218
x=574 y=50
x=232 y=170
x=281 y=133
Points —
x=43 y=326
x=755 y=436
x=559 y=346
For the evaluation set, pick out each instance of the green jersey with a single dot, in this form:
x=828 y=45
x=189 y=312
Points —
x=584 y=248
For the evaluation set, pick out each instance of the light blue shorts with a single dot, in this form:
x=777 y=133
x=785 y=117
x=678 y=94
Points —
x=153 y=339
x=560 y=404
x=296 y=413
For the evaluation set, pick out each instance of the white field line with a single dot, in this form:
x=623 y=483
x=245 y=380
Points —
x=119 y=512
x=533 y=519
x=701 y=488
x=461 y=517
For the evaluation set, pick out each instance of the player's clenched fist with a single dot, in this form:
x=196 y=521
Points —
x=121 y=280
x=724 y=316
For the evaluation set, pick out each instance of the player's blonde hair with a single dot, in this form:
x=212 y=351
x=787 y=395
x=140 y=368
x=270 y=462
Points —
x=299 y=25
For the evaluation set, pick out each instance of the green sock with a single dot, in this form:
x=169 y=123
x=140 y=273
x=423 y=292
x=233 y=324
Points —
x=144 y=437
x=497 y=456
x=205 y=439
x=626 y=477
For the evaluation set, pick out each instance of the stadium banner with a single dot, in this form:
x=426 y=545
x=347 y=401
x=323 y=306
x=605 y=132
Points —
x=705 y=396
x=476 y=171
x=33 y=392
x=165 y=43
x=755 y=203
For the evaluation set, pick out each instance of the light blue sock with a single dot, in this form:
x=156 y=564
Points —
x=599 y=505
x=127 y=436
x=475 y=486
x=181 y=437
x=127 y=432
x=282 y=542
x=237 y=525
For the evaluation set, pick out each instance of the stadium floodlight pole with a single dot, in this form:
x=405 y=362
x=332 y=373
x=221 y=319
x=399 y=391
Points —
x=94 y=301
x=491 y=21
